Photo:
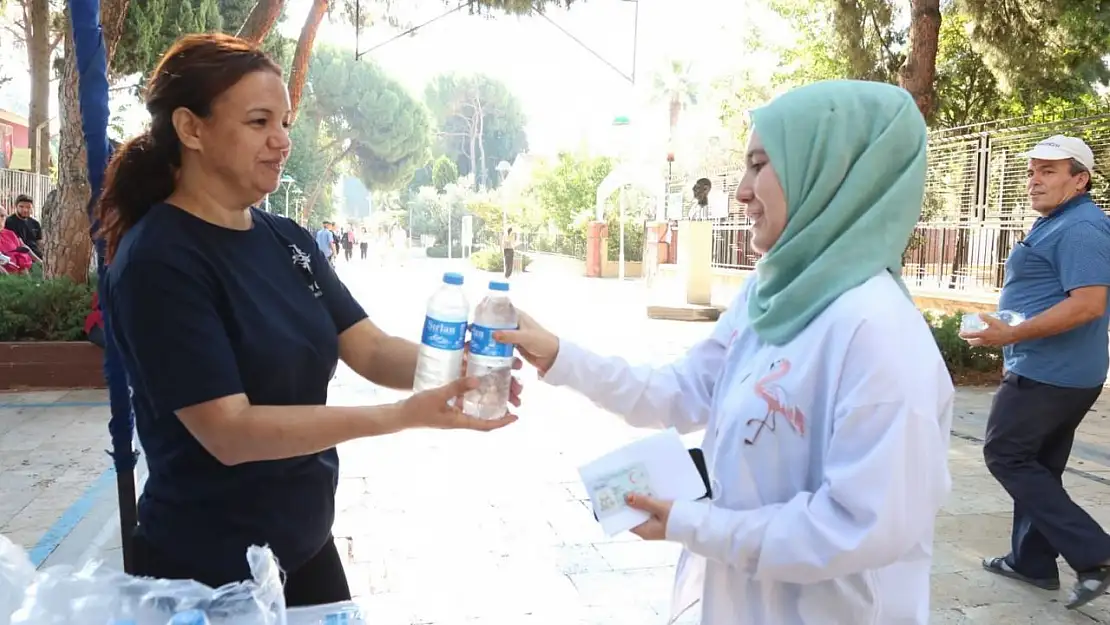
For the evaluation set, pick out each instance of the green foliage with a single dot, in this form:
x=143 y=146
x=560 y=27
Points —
x=515 y=7
x=153 y=25
x=464 y=104
x=967 y=90
x=493 y=259
x=633 y=237
x=384 y=128
x=566 y=191
x=961 y=358
x=1037 y=49
x=444 y=172
x=33 y=309
x=994 y=59
x=431 y=212
x=440 y=251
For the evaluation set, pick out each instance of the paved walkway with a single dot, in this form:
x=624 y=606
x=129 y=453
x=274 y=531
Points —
x=495 y=527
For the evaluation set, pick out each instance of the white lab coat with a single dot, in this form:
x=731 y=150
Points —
x=826 y=516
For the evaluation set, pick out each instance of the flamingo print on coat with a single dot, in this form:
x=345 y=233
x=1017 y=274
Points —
x=777 y=403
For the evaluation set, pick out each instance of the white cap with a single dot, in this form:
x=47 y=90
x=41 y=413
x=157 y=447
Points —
x=1061 y=148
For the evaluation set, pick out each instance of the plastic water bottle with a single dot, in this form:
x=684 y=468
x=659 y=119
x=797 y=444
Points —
x=488 y=360
x=441 y=346
x=972 y=323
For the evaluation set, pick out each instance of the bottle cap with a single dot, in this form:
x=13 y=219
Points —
x=453 y=278
x=498 y=285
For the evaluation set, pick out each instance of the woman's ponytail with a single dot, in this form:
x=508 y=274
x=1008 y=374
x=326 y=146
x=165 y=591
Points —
x=140 y=174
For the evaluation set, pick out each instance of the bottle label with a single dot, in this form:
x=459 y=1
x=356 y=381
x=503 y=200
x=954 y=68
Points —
x=482 y=343
x=448 y=335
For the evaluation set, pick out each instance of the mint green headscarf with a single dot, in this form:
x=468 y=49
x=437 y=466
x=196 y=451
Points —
x=851 y=159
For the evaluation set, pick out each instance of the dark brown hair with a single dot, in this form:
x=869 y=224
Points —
x=192 y=74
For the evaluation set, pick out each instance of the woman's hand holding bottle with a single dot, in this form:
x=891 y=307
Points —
x=434 y=408
x=535 y=343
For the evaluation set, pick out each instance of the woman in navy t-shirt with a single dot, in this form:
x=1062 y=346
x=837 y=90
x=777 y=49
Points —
x=231 y=322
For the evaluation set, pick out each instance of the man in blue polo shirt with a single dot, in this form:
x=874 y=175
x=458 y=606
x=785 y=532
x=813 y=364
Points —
x=1055 y=365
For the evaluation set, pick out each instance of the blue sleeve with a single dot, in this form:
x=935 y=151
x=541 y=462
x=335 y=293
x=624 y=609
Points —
x=344 y=309
x=169 y=325
x=1083 y=256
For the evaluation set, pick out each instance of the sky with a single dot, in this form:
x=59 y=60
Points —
x=569 y=95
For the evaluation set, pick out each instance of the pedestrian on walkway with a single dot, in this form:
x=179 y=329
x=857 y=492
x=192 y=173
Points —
x=230 y=322
x=363 y=244
x=324 y=242
x=1055 y=366
x=826 y=404
x=508 y=245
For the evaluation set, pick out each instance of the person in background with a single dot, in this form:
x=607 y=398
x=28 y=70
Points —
x=230 y=322
x=349 y=244
x=26 y=227
x=700 y=209
x=1055 y=365
x=363 y=244
x=15 y=257
x=508 y=246
x=826 y=405
x=324 y=242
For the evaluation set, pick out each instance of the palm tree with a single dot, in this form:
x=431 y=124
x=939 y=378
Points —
x=676 y=87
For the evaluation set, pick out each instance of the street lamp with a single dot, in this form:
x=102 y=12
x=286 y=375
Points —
x=620 y=124
x=503 y=169
x=288 y=181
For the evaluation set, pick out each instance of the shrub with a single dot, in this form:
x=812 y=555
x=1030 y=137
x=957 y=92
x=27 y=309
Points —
x=440 y=251
x=963 y=360
x=34 y=309
x=493 y=259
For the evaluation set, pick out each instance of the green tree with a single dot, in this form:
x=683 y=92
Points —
x=153 y=25
x=967 y=90
x=566 y=191
x=479 y=123
x=369 y=118
x=444 y=172
x=1043 y=48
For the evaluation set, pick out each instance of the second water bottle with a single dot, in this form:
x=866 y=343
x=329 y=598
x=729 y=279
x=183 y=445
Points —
x=488 y=360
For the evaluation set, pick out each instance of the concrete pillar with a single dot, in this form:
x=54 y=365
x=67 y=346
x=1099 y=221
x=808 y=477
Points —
x=695 y=257
x=597 y=233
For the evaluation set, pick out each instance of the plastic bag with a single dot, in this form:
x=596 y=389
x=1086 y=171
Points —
x=16 y=574
x=343 y=613
x=98 y=595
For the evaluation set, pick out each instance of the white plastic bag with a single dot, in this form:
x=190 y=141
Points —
x=343 y=613
x=97 y=595
x=16 y=574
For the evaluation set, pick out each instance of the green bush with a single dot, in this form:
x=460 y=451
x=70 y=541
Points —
x=440 y=251
x=962 y=359
x=34 y=309
x=493 y=259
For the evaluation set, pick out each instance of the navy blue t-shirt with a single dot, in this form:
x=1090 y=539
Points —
x=201 y=312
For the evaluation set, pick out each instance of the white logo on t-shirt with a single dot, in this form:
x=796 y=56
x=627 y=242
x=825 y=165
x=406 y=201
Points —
x=304 y=263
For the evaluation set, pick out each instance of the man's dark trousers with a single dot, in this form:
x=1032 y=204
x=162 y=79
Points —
x=1030 y=433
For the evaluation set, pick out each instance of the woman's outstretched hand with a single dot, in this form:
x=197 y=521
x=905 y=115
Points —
x=538 y=346
x=431 y=409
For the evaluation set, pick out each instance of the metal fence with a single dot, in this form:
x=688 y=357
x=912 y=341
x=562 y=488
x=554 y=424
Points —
x=975 y=207
x=15 y=183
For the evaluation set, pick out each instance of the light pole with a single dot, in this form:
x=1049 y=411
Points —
x=621 y=123
x=288 y=181
x=503 y=169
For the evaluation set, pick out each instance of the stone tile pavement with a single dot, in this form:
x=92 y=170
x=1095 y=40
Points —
x=448 y=528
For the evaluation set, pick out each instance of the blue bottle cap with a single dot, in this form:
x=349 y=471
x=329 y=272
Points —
x=498 y=285
x=453 y=278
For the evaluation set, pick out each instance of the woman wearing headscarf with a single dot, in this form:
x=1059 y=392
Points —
x=825 y=401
